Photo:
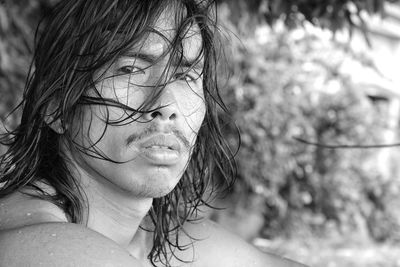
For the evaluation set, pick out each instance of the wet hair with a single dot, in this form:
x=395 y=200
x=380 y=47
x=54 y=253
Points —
x=73 y=42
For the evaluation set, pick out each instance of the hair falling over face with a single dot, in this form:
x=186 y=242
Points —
x=73 y=42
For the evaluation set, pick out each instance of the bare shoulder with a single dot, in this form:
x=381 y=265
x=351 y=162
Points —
x=60 y=244
x=35 y=232
x=215 y=246
x=19 y=209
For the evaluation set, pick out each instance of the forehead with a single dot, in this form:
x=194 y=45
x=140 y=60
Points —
x=165 y=31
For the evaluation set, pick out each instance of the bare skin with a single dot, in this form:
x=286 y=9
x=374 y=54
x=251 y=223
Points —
x=36 y=233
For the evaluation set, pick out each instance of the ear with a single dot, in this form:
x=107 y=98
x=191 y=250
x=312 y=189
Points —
x=55 y=124
x=53 y=119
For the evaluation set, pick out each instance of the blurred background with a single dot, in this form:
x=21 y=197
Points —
x=313 y=87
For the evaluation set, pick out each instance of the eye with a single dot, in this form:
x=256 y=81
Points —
x=130 y=69
x=188 y=77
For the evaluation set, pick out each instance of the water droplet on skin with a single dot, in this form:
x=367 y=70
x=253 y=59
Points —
x=53 y=234
x=112 y=251
x=51 y=253
x=19 y=232
x=28 y=214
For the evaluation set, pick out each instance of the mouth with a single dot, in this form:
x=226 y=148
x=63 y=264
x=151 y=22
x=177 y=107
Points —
x=161 y=149
x=162 y=141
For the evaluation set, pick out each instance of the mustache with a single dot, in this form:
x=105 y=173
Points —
x=153 y=129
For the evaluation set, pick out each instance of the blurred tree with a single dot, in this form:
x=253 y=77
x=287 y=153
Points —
x=285 y=88
x=288 y=84
x=331 y=14
x=18 y=20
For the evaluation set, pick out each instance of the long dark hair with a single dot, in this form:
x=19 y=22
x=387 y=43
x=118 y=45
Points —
x=73 y=41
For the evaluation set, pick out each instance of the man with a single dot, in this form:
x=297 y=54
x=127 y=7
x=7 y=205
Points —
x=118 y=142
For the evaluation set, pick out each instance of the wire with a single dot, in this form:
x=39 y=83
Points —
x=330 y=146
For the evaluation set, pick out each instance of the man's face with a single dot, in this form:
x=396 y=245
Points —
x=154 y=149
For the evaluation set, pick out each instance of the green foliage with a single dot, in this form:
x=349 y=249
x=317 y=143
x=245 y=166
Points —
x=291 y=87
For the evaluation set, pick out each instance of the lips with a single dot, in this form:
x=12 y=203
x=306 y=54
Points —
x=161 y=149
x=162 y=141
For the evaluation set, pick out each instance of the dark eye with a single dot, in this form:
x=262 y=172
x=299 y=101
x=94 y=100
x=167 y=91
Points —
x=186 y=77
x=131 y=70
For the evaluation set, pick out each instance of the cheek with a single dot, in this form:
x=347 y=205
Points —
x=192 y=104
x=193 y=109
x=91 y=126
x=196 y=116
x=121 y=91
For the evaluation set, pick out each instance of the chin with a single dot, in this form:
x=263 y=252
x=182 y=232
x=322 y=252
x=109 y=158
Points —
x=156 y=192
x=159 y=184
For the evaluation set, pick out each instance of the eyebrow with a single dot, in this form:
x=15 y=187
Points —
x=152 y=58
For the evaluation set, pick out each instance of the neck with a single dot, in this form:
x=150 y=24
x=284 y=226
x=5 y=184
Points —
x=115 y=215
x=109 y=210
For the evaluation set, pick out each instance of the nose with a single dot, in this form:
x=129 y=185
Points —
x=166 y=107
x=164 y=113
